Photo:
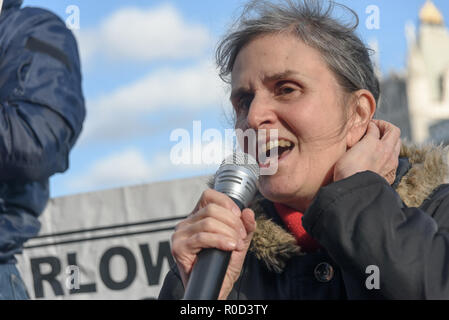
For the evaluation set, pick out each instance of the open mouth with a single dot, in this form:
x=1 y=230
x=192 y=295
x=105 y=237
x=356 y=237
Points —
x=278 y=148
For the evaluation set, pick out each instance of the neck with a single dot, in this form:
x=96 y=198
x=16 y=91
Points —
x=301 y=203
x=298 y=205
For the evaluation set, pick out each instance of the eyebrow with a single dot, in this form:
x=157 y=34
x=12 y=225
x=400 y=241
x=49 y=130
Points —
x=280 y=76
x=268 y=78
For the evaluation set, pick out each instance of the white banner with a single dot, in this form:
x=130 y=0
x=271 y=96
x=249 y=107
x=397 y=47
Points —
x=112 y=244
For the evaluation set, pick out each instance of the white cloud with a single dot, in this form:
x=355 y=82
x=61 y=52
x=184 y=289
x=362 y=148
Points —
x=192 y=87
x=124 y=168
x=130 y=167
x=120 y=113
x=145 y=35
x=136 y=34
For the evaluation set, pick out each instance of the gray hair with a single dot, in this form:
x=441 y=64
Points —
x=310 y=20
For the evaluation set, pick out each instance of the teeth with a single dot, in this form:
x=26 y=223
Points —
x=277 y=143
x=272 y=144
x=284 y=143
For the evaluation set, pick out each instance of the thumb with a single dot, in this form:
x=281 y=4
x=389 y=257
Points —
x=249 y=220
x=373 y=131
x=250 y=224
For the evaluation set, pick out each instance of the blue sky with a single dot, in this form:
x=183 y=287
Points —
x=148 y=70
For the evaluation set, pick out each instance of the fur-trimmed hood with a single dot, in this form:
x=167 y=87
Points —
x=428 y=169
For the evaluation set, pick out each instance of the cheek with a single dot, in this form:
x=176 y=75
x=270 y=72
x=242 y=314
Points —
x=317 y=126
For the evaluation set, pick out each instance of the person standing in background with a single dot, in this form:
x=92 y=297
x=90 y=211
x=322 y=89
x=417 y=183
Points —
x=41 y=115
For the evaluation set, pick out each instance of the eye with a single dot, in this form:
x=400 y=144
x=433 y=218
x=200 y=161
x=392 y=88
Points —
x=286 y=89
x=244 y=102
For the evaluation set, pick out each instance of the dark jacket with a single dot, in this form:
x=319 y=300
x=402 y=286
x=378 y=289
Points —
x=360 y=222
x=41 y=115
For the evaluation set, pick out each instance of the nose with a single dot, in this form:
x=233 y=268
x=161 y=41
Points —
x=260 y=113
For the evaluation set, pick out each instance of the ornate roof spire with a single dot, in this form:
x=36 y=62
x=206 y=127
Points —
x=430 y=14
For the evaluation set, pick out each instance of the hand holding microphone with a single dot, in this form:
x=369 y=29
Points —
x=218 y=231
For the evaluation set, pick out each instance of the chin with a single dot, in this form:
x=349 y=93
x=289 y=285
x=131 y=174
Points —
x=278 y=190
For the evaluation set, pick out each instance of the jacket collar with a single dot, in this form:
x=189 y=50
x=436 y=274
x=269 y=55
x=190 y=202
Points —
x=420 y=171
x=428 y=170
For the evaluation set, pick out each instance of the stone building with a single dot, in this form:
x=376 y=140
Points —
x=418 y=101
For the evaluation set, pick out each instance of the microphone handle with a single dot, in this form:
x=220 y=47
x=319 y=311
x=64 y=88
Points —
x=208 y=273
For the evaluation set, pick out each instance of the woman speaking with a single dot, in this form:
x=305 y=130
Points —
x=351 y=213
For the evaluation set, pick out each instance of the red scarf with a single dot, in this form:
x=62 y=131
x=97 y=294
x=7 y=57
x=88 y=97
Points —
x=293 y=221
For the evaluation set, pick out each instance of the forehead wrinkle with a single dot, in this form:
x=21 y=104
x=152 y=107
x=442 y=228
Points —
x=285 y=74
x=279 y=75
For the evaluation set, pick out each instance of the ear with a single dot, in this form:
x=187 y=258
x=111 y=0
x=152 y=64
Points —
x=363 y=108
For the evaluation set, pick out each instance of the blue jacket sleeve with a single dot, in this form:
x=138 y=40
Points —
x=41 y=101
x=361 y=221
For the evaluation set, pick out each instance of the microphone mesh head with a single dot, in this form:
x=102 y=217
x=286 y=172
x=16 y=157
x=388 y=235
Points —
x=238 y=177
x=245 y=160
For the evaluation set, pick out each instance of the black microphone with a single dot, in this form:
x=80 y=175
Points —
x=238 y=178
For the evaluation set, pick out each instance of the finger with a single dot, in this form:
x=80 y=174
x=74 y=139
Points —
x=394 y=159
x=373 y=131
x=382 y=125
x=391 y=166
x=221 y=214
x=392 y=163
x=212 y=196
x=391 y=142
x=390 y=176
x=180 y=226
x=388 y=130
x=211 y=225
x=204 y=240
x=390 y=135
x=397 y=149
x=249 y=221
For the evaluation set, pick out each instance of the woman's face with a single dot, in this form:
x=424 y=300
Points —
x=278 y=82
